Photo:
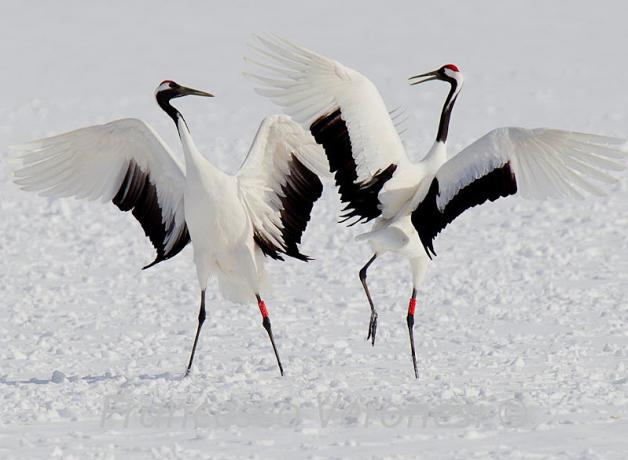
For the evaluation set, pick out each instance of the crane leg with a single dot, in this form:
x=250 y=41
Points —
x=410 y=322
x=373 y=320
x=201 y=320
x=266 y=323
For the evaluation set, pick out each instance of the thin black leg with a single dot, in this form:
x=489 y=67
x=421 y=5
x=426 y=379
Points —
x=266 y=323
x=373 y=320
x=410 y=321
x=201 y=320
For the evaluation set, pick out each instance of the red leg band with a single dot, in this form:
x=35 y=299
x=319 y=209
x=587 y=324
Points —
x=262 y=309
x=412 y=306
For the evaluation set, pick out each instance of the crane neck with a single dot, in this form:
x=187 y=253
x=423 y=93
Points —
x=194 y=161
x=163 y=99
x=445 y=116
x=435 y=158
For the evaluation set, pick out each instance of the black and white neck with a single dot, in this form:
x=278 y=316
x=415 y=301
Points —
x=453 y=76
x=167 y=90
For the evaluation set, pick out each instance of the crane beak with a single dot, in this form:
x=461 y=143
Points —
x=184 y=91
x=423 y=77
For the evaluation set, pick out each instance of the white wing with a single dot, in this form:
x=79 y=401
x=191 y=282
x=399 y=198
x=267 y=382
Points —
x=124 y=161
x=533 y=163
x=278 y=184
x=345 y=113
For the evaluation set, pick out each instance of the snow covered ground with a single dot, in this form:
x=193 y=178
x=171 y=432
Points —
x=521 y=324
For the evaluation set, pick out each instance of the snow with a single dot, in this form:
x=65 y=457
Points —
x=521 y=323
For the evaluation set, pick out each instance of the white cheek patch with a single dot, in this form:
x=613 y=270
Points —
x=162 y=87
x=455 y=75
x=450 y=73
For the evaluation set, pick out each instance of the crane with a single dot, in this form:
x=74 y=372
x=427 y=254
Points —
x=411 y=202
x=233 y=221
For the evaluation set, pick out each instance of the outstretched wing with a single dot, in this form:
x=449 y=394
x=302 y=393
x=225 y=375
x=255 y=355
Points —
x=345 y=113
x=279 y=184
x=125 y=162
x=533 y=163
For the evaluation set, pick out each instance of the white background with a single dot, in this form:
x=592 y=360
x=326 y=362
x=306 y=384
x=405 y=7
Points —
x=521 y=323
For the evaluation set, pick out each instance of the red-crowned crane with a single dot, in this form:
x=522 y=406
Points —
x=232 y=221
x=410 y=202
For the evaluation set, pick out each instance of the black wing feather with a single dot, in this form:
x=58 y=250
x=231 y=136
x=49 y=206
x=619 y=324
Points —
x=298 y=195
x=362 y=198
x=428 y=220
x=138 y=195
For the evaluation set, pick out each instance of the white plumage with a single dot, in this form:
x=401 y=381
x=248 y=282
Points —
x=266 y=168
x=346 y=114
x=313 y=86
x=91 y=163
x=548 y=163
x=232 y=221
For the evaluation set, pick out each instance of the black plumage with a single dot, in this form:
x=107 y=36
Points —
x=139 y=195
x=298 y=194
x=362 y=197
x=429 y=220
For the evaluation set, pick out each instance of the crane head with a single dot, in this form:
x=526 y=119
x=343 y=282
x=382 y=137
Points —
x=449 y=73
x=169 y=89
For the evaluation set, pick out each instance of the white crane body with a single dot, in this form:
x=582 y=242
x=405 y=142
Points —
x=220 y=228
x=233 y=222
